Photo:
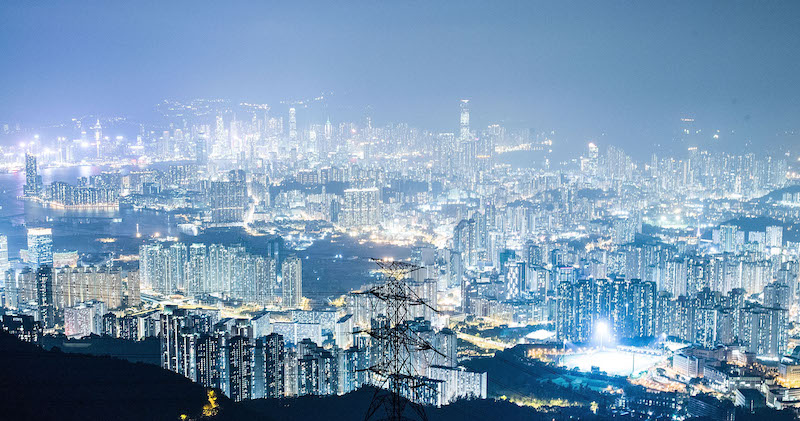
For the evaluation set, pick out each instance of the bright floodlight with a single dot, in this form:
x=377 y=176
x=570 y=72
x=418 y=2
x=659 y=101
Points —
x=603 y=331
x=612 y=361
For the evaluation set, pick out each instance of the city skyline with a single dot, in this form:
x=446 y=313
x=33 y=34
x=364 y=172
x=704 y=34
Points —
x=520 y=73
x=515 y=210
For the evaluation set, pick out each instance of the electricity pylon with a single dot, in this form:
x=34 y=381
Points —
x=394 y=373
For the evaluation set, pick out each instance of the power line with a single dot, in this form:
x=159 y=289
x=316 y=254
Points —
x=394 y=371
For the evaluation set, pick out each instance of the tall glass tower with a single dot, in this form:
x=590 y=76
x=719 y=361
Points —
x=292 y=125
x=40 y=246
x=33 y=183
x=464 y=133
x=4 y=265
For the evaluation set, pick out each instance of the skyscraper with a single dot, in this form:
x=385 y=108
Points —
x=197 y=270
x=328 y=130
x=228 y=199
x=765 y=330
x=33 y=182
x=583 y=310
x=44 y=287
x=589 y=165
x=292 y=125
x=219 y=136
x=727 y=238
x=642 y=308
x=40 y=246
x=777 y=295
x=464 y=123
x=209 y=372
x=173 y=321
x=274 y=356
x=465 y=241
x=576 y=310
x=292 y=281
x=201 y=148
x=774 y=236
x=4 y=264
x=240 y=357
x=317 y=370
x=361 y=208
x=98 y=131
x=153 y=267
x=176 y=267
x=564 y=310
x=275 y=248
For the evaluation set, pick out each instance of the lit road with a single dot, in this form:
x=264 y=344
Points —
x=482 y=342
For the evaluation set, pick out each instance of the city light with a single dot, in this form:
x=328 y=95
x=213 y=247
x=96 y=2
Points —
x=603 y=332
x=588 y=212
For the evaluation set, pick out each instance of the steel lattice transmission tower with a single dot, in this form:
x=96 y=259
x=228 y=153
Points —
x=393 y=373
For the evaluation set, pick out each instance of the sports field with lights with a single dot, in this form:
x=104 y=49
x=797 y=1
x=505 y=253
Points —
x=612 y=361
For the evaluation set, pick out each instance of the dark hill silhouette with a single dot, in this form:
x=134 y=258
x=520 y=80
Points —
x=777 y=195
x=145 y=351
x=791 y=230
x=353 y=406
x=50 y=385
x=36 y=384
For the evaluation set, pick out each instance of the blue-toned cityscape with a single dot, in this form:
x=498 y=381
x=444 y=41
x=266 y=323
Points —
x=318 y=255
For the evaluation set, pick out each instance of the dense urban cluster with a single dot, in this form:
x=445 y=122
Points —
x=688 y=259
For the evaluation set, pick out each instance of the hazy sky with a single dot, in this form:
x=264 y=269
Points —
x=627 y=69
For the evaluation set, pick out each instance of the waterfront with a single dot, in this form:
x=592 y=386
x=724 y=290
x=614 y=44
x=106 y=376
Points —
x=331 y=266
x=75 y=229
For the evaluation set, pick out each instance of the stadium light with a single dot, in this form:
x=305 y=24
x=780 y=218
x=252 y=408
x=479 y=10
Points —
x=602 y=331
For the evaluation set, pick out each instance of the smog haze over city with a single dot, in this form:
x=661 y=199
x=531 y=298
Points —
x=400 y=210
x=626 y=71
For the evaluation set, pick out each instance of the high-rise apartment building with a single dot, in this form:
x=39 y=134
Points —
x=292 y=125
x=274 y=356
x=44 y=287
x=361 y=208
x=774 y=236
x=209 y=359
x=292 y=281
x=228 y=199
x=33 y=181
x=240 y=358
x=464 y=133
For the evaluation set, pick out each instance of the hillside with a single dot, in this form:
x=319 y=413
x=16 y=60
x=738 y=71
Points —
x=353 y=406
x=50 y=385
x=36 y=384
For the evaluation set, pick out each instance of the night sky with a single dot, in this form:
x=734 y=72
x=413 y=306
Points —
x=621 y=72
